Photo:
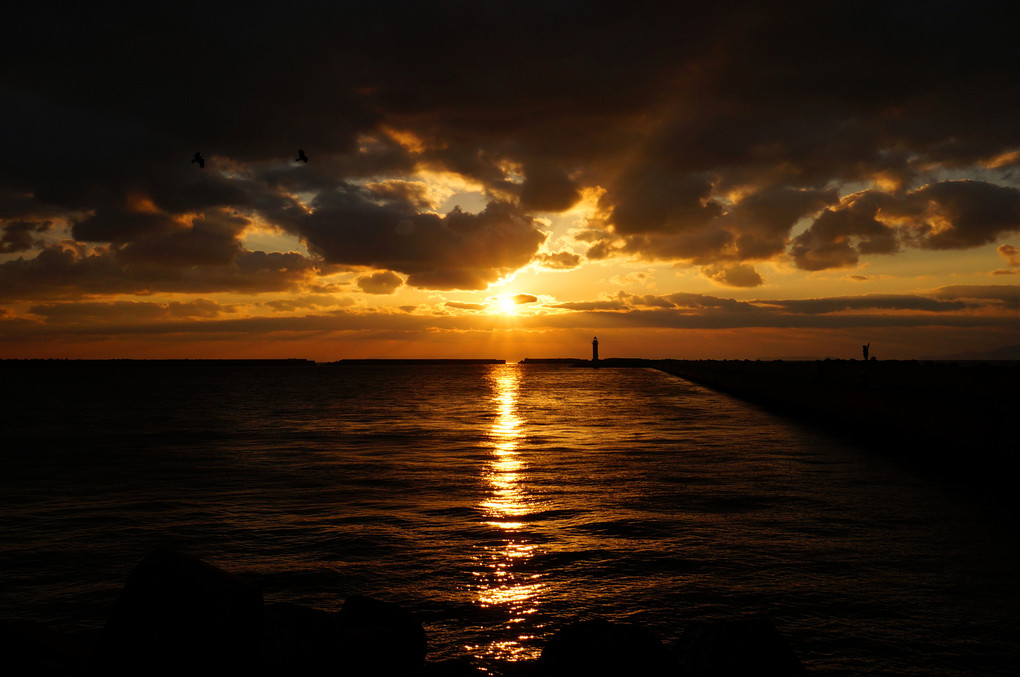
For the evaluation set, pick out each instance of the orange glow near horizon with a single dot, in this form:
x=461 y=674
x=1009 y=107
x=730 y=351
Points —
x=516 y=343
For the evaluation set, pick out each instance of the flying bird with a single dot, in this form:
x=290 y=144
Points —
x=199 y=159
x=301 y=157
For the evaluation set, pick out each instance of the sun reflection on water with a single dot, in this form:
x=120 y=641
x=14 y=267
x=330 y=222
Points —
x=501 y=579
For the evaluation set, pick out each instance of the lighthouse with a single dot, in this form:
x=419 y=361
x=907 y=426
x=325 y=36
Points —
x=595 y=349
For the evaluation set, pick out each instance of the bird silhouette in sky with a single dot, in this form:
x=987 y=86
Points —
x=301 y=157
x=199 y=159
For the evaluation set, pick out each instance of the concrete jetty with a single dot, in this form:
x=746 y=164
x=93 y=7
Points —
x=953 y=416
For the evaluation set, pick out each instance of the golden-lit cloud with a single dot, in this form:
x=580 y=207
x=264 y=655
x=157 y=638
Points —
x=1005 y=159
x=561 y=260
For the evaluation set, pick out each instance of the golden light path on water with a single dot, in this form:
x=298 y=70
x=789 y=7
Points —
x=498 y=583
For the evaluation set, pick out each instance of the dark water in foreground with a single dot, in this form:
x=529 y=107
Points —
x=497 y=503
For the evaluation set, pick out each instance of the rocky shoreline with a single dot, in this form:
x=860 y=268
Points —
x=178 y=615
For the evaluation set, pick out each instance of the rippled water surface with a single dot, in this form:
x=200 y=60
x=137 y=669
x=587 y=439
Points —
x=497 y=503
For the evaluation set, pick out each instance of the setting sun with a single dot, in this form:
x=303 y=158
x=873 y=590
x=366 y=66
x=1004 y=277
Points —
x=506 y=305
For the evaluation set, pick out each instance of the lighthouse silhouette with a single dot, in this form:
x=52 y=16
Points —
x=595 y=349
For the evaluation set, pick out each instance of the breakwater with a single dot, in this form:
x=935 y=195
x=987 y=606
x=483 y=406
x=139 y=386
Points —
x=922 y=411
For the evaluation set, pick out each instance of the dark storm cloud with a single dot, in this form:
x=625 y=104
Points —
x=71 y=270
x=941 y=215
x=548 y=189
x=656 y=202
x=409 y=192
x=972 y=213
x=208 y=241
x=128 y=311
x=762 y=220
x=838 y=237
x=457 y=251
x=712 y=129
x=19 y=236
x=1007 y=296
x=383 y=282
x=602 y=249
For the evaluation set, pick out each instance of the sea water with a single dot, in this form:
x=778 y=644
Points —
x=497 y=503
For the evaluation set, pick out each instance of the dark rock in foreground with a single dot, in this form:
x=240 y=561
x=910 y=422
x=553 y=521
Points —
x=598 y=647
x=26 y=643
x=381 y=638
x=298 y=639
x=750 y=646
x=180 y=615
x=367 y=637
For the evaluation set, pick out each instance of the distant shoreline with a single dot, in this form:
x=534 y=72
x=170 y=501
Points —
x=170 y=362
x=241 y=362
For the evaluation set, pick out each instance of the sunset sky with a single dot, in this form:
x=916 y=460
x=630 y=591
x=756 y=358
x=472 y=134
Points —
x=507 y=180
